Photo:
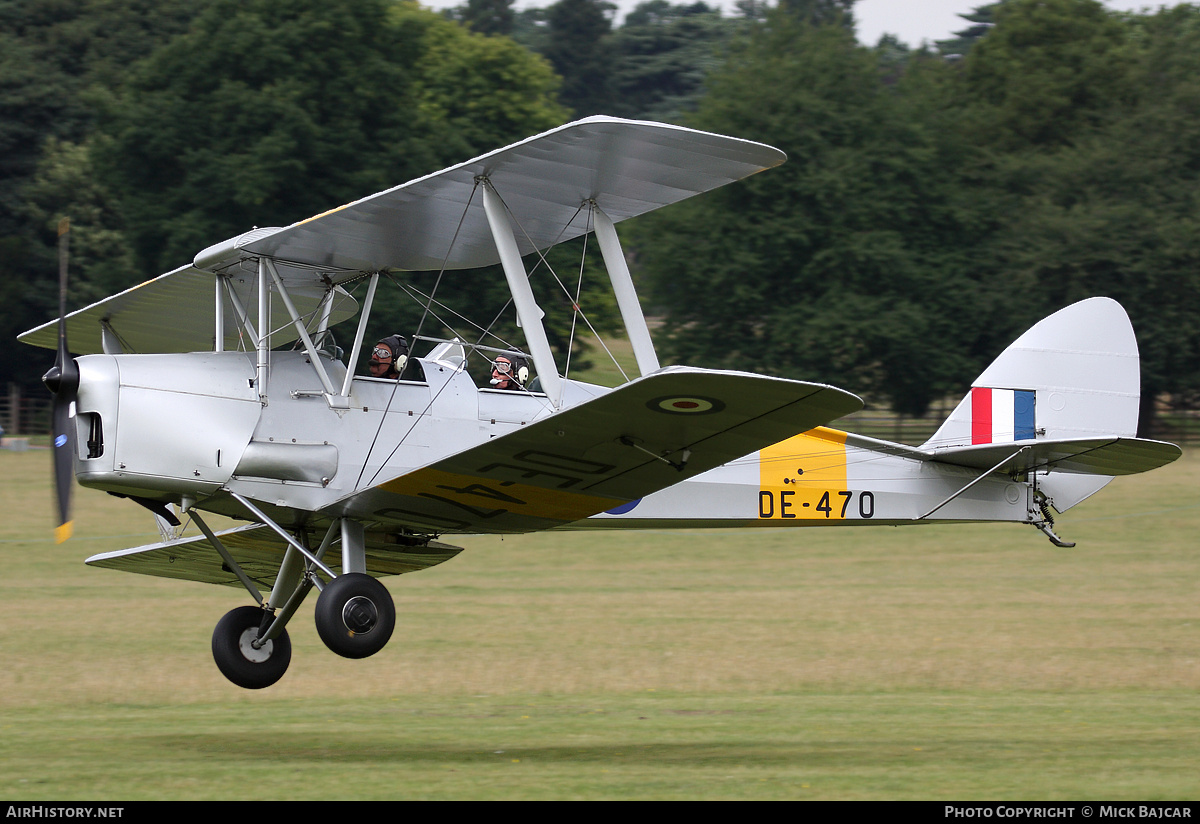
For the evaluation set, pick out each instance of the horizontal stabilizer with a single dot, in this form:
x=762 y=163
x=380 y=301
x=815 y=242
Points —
x=259 y=552
x=1083 y=456
x=647 y=435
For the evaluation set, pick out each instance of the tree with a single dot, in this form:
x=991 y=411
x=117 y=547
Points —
x=53 y=55
x=325 y=102
x=478 y=93
x=309 y=104
x=65 y=184
x=487 y=16
x=835 y=266
x=981 y=18
x=1102 y=175
x=821 y=12
x=58 y=59
x=1049 y=69
x=662 y=55
x=577 y=46
x=304 y=106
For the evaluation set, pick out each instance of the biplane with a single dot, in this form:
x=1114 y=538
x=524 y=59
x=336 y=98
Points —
x=217 y=389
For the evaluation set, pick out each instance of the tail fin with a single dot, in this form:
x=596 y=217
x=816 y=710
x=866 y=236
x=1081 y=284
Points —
x=1075 y=374
x=1080 y=370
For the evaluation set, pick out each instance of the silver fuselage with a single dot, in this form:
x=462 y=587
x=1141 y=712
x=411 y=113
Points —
x=194 y=427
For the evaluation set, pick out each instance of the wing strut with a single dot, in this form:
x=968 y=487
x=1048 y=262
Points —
x=218 y=314
x=360 y=333
x=282 y=533
x=298 y=323
x=233 y=565
x=622 y=284
x=529 y=314
x=264 y=336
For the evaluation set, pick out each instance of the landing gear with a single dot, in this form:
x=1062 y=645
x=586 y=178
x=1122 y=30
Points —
x=1046 y=525
x=355 y=615
x=237 y=656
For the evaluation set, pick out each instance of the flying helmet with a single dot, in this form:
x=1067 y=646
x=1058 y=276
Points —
x=398 y=346
x=519 y=368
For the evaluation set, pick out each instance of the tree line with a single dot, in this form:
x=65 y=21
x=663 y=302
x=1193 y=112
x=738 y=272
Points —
x=937 y=199
x=936 y=202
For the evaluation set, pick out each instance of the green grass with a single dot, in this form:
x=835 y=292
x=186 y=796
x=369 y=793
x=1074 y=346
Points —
x=662 y=746
x=611 y=363
x=953 y=662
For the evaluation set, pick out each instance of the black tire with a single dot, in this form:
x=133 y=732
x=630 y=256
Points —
x=355 y=615
x=238 y=661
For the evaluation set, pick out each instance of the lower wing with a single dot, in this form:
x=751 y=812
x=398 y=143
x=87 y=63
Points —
x=642 y=437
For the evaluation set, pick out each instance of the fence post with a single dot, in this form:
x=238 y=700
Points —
x=14 y=408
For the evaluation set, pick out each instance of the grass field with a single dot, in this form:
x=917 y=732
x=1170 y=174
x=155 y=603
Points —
x=952 y=662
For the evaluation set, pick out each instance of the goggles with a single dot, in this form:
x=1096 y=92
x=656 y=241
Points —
x=503 y=367
x=381 y=352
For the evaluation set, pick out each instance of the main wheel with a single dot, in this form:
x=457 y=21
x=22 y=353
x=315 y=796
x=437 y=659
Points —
x=236 y=656
x=355 y=615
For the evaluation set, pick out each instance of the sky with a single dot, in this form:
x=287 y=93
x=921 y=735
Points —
x=917 y=20
x=913 y=21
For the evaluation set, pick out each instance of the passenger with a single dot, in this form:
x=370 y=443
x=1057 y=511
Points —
x=510 y=372
x=388 y=358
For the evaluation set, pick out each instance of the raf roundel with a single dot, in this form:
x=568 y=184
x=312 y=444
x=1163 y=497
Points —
x=686 y=405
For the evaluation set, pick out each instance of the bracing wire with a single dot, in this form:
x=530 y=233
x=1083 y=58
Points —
x=566 y=291
x=420 y=325
x=576 y=311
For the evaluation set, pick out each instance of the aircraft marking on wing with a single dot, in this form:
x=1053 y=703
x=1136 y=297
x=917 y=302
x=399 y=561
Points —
x=488 y=494
x=688 y=405
x=623 y=508
x=804 y=478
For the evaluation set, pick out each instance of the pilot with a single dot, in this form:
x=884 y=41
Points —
x=388 y=358
x=510 y=372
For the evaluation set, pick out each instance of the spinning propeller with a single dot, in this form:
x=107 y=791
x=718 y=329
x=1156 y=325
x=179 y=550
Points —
x=63 y=382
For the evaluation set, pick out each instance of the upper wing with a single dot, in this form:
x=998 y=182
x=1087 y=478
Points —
x=174 y=313
x=647 y=435
x=627 y=167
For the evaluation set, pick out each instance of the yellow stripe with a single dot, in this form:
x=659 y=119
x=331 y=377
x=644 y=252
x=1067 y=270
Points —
x=329 y=212
x=803 y=477
x=489 y=494
x=62 y=533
